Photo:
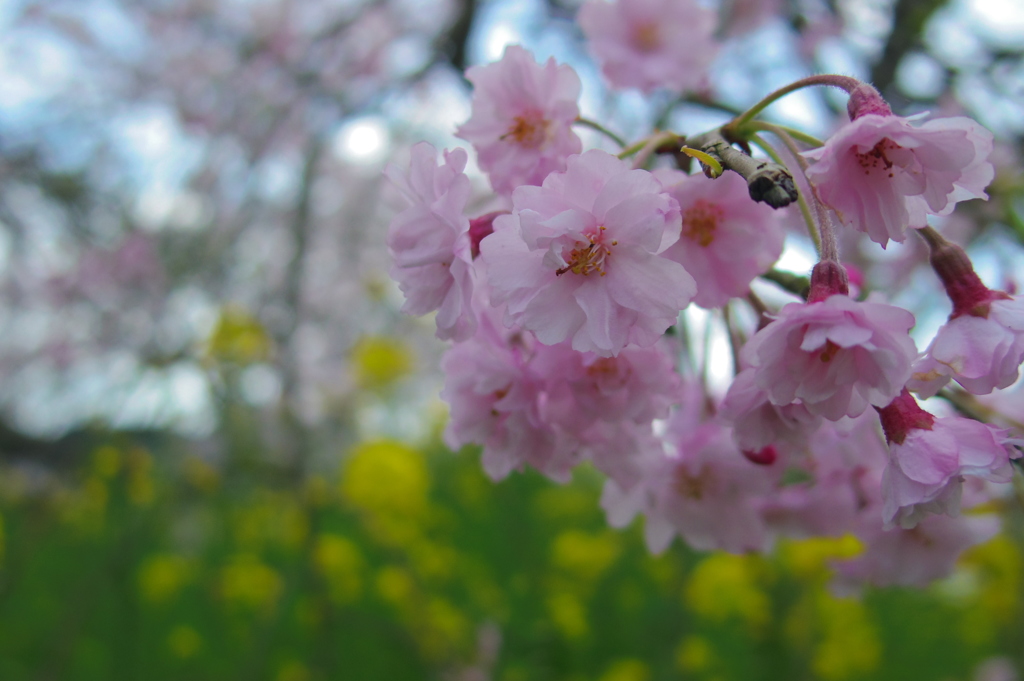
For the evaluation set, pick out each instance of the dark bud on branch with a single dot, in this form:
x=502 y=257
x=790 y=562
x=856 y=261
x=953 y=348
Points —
x=772 y=185
x=767 y=181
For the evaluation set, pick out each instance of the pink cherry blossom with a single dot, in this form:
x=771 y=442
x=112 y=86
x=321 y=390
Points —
x=578 y=257
x=622 y=450
x=497 y=401
x=981 y=353
x=926 y=469
x=550 y=407
x=842 y=465
x=608 y=404
x=757 y=423
x=745 y=16
x=522 y=118
x=638 y=385
x=837 y=356
x=429 y=240
x=914 y=557
x=726 y=239
x=705 y=490
x=882 y=174
x=650 y=44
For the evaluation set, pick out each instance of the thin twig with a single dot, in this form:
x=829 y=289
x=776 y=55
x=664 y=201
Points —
x=767 y=181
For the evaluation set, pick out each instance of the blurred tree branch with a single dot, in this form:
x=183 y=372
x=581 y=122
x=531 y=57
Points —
x=453 y=44
x=909 y=18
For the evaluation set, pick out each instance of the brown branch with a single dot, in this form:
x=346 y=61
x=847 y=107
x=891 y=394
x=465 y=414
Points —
x=767 y=181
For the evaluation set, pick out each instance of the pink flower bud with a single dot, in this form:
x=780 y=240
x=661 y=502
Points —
x=865 y=99
x=827 y=279
x=481 y=227
x=901 y=415
x=763 y=457
x=963 y=286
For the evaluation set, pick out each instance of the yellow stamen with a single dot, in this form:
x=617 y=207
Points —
x=529 y=130
x=701 y=220
x=587 y=257
x=646 y=37
x=829 y=352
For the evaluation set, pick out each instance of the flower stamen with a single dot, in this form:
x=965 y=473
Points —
x=529 y=130
x=587 y=257
x=646 y=37
x=693 y=486
x=701 y=220
x=876 y=159
x=829 y=352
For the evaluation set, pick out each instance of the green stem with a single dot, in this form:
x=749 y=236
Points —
x=1015 y=222
x=805 y=209
x=782 y=133
x=653 y=143
x=793 y=283
x=594 y=125
x=829 y=245
x=969 y=406
x=632 y=149
x=662 y=119
x=735 y=341
x=845 y=83
x=776 y=129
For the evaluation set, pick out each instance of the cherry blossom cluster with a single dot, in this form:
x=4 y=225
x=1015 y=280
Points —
x=564 y=304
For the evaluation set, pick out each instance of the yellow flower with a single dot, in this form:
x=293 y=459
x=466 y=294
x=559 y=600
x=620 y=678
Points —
x=316 y=491
x=184 y=641
x=628 y=669
x=85 y=508
x=694 y=654
x=987 y=587
x=388 y=483
x=238 y=338
x=106 y=461
x=379 y=361
x=161 y=577
x=394 y=585
x=386 y=475
x=809 y=558
x=271 y=518
x=340 y=562
x=849 y=647
x=248 y=583
x=200 y=474
x=1000 y=565
x=293 y=670
x=585 y=556
x=432 y=560
x=723 y=586
x=568 y=614
x=441 y=628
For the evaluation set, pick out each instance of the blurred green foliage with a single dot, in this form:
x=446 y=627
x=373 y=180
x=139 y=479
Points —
x=407 y=563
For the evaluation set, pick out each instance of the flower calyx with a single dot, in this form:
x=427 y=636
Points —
x=827 y=279
x=901 y=416
x=964 y=287
x=864 y=100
